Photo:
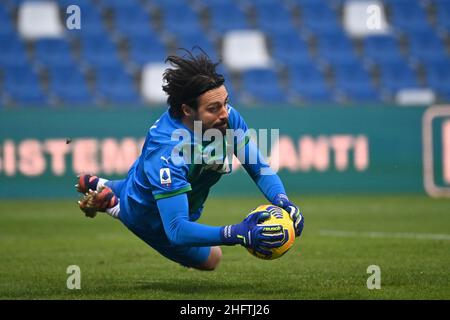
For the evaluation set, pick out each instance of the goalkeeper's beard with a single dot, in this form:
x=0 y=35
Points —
x=222 y=126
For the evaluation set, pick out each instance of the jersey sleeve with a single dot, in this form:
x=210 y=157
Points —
x=181 y=231
x=166 y=178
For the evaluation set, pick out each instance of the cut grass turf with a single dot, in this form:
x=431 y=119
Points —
x=39 y=240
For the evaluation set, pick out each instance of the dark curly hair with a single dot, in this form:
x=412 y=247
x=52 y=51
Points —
x=191 y=77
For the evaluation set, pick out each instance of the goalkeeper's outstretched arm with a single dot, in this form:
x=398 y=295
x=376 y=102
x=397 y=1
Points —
x=179 y=230
x=271 y=186
x=265 y=178
x=182 y=232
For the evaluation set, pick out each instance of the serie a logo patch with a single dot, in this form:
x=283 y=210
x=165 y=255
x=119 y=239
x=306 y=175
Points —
x=164 y=176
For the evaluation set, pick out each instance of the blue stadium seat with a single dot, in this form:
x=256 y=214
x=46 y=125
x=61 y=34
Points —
x=336 y=48
x=180 y=18
x=381 y=49
x=443 y=15
x=319 y=22
x=53 y=52
x=309 y=2
x=319 y=18
x=12 y=52
x=289 y=49
x=14 y=3
x=22 y=85
x=81 y=3
x=394 y=77
x=84 y=5
x=425 y=46
x=227 y=17
x=6 y=24
x=69 y=85
x=207 y=3
x=91 y=24
x=408 y=16
x=115 y=86
x=132 y=21
x=438 y=77
x=273 y=17
x=144 y=49
x=119 y=4
x=99 y=51
x=263 y=3
x=166 y=4
x=262 y=85
x=353 y=81
x=307 y=82
x=359 y=92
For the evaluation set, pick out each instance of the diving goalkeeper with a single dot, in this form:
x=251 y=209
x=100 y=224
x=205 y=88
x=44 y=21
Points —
x=162 y=195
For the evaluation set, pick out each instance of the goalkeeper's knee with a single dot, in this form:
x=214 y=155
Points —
x=214 y=258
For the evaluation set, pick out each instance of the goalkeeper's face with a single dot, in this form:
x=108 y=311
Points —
x=212 y=109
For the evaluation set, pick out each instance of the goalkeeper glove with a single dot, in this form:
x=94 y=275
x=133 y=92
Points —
x=251 y=235
x=281 y=200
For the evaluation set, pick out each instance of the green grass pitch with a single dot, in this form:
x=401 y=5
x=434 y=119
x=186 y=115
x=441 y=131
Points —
x=408 y=237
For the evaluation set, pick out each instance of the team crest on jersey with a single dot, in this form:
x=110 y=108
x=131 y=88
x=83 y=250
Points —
x=164 y=176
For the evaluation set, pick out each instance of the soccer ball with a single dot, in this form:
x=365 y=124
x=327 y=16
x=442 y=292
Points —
x=278 y=216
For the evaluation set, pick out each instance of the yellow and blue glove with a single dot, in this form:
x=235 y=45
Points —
x=282 y=201
x=251 y=235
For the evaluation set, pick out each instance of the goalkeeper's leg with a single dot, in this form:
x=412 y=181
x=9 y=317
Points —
x=215 y=255
x=200 y=258
x=103 y=200
x=86 y=182
x=98 y=195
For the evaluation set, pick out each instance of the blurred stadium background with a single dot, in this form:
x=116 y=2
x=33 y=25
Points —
x=290 y=51
x=359 y=90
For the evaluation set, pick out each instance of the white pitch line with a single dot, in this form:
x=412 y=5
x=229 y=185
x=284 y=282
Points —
x=371 y=234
